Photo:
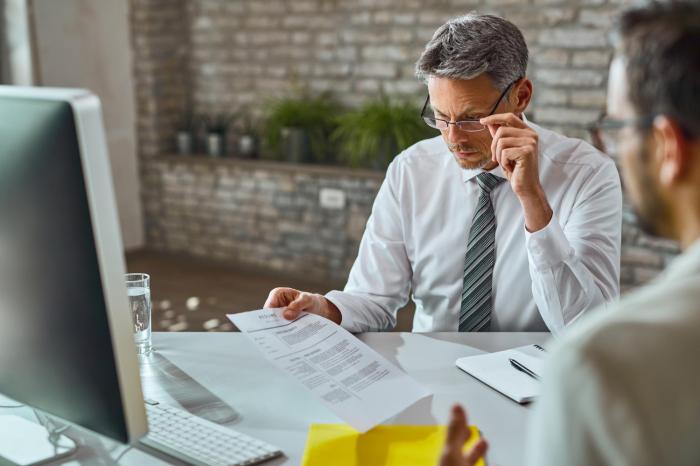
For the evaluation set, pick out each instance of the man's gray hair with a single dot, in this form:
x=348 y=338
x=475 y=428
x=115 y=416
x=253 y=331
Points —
x=473 y=44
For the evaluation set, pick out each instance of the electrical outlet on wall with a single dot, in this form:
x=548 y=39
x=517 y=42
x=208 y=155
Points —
x=332 y=198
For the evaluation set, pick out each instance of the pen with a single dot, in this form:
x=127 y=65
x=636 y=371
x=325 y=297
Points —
x=522 y=368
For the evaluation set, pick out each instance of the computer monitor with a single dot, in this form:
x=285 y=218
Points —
x=66 y=343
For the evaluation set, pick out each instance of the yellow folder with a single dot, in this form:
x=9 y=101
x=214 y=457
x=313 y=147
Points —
x=386 y=445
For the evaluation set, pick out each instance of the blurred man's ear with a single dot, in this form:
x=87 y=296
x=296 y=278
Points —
x=521 y=95
x=671 y=151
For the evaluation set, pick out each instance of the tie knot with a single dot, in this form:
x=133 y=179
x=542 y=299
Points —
x=487 y=181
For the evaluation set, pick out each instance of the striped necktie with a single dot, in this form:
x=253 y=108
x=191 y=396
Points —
x=475 y=312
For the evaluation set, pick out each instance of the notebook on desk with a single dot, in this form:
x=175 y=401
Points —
x=497 y=371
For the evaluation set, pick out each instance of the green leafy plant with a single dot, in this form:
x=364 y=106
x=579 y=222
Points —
x=314 y=116
x=373 y=134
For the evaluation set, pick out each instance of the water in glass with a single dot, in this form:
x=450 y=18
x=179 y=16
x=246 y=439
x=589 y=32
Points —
x=140 y=305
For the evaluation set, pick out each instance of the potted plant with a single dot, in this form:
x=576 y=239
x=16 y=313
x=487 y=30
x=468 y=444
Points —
x=217 y=128
x=247 y=143
x=373 y=134
x=184 y=138
x=298 y=129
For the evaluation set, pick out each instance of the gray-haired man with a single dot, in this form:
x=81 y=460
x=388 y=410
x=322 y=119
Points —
x=498 y=224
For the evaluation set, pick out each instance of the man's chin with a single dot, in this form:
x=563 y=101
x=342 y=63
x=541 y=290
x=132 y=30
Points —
x=472 y=164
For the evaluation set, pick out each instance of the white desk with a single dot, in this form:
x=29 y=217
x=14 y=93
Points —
x=221 y=377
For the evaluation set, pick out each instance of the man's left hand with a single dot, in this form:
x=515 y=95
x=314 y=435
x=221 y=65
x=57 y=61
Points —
x=515 y=149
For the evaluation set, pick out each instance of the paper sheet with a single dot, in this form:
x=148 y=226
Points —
x=350 y=378
x=340 y=445
x=495 y=370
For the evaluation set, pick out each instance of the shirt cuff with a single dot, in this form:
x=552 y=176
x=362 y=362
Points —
x=548 y=246
x=346 y=321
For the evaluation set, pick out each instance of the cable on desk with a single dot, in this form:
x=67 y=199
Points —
x=119 y=457
x=11 y=406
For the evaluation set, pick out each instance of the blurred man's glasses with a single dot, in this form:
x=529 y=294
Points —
x=605 y=133
x=470 y=126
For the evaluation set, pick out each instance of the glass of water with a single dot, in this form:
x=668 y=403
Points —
x=139 y=289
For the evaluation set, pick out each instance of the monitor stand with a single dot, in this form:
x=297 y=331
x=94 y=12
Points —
x=24 y=443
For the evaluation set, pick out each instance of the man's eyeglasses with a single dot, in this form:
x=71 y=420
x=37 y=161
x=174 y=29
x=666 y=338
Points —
x=605 y=133
x=470 y=126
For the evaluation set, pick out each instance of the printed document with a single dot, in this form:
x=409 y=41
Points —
x=350 y=378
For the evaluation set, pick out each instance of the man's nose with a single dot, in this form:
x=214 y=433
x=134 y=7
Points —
x=454 y=135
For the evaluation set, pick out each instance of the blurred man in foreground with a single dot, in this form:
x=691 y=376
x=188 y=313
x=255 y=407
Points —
x=623 y=387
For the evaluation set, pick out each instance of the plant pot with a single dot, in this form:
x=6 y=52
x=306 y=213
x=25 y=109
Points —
x=296 y=145
x=246 y=145
x=215 y=144
x=184 y=142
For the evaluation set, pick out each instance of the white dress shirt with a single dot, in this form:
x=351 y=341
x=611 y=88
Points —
x=623 y=387
x=416 y=241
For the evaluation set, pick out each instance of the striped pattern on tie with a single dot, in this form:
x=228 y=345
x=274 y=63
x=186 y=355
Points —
x=475 y=311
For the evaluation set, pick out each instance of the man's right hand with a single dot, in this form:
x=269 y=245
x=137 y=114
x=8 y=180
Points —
x=295 y=302
x=458 y=434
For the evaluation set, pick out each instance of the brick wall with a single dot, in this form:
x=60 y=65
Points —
x=222 y=55
x=263 y=214
x=248 y=50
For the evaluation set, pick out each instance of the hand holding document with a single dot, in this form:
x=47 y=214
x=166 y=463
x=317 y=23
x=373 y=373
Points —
x=349 y=377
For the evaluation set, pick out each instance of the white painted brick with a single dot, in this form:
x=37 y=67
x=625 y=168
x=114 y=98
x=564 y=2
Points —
x=569 y=77
x=550 y=56
x=465 y=3
x=382 y=17
x=304 y=6
x=401 y=35
x=556 y=16
x=376 y=70
x=633 y=255
x=592 y=58
x=346 y=54
x=301 y=37
x=327 y=38
x=332 y=69
x=564 y=115
x=588 y=98
x=433 y=18
x=319 y=85
x=402 y=86
x=262 y=22
x=404 y=19
x=547 y=96
x=602 y=19
x=361 y=19
x=367 y=85
x=384 y=52
x=266 y=6
x=294 y=21
x=573 y=38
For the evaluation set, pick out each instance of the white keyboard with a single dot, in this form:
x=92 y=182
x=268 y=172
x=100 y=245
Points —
x=197 y=441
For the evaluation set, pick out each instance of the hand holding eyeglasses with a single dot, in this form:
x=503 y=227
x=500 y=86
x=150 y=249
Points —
x=515 y=149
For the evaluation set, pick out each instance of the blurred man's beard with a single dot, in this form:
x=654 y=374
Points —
x=648 y=209
x=469 y=164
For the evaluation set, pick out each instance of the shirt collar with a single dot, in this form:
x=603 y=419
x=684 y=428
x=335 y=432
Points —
x=468 y=175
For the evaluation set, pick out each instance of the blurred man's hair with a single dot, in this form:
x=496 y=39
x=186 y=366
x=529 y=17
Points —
x=473 y=44
x=660 y=43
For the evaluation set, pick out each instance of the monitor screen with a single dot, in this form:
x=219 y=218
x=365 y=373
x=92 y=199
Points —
x=56 y=352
